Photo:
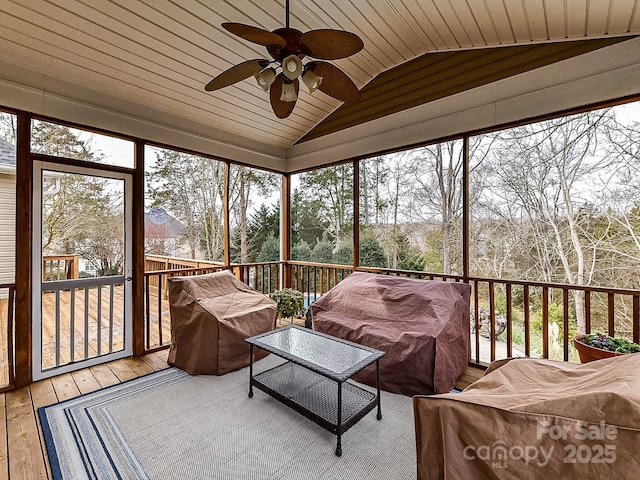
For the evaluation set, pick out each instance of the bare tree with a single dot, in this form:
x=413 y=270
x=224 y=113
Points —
x=8 y=127
x=373 y=175
x=437 y=171
x=544 y=172
x=245 y=184
x=331 y=191
x=192 y=189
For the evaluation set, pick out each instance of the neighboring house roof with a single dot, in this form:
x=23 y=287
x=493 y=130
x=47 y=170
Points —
x=7 y=155
x=171 y=228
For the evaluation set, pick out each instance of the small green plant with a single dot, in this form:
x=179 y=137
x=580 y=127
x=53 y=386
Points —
x=290 y=302
x=606 y=342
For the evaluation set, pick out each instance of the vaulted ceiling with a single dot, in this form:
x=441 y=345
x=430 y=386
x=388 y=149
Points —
x=152 y=58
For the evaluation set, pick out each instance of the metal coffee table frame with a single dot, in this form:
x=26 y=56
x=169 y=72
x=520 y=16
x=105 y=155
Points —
x=318 y=392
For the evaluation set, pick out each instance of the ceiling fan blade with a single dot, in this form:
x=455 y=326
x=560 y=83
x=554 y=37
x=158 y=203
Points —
x=254 y=34
x=328 y=44
x=281 y=108
x=335 y=82
x=236 y=73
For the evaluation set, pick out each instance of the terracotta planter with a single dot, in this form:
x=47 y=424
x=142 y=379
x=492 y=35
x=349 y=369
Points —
x=588 y=353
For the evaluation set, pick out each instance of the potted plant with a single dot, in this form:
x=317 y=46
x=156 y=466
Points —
x=290 y=303
x=595 y=346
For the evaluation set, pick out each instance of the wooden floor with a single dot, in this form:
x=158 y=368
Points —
x=22 y=451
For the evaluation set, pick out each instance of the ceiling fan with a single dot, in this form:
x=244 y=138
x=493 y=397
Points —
x=288 y=47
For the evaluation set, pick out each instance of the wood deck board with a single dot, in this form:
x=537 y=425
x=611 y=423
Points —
x=43 y=393
x=104 y=376
x=4 y=458
x=138 y=366
x=122 y=370
x=25 y=450
x=85 y=381
x=157 y=361
x=65 y=387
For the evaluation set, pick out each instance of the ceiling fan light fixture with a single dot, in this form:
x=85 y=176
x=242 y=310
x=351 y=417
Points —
x=288 y=92
x=265 y=78
x=292 y=67
x=280 y=76
x=311 y=80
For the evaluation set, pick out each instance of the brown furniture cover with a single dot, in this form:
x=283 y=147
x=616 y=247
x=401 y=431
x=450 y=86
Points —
x=535 y=419
x=211 y=315
x=421 y=325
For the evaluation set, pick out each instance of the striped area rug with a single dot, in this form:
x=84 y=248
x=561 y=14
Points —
x=170 y=425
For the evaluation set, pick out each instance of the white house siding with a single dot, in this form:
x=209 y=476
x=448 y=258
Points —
x=7 y=229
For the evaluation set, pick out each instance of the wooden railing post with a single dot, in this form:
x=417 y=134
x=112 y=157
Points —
x=285 y=230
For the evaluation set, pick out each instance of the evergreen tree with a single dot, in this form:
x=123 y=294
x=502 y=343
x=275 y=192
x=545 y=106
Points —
x=301 y=251
x=409 y=258
x=306 y=224
x=263 y=223
x=269 y=250
x=372 y=253
x=344 y=254
x=323 y=251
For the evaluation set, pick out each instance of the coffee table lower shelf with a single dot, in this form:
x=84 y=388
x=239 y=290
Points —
x=317 y=397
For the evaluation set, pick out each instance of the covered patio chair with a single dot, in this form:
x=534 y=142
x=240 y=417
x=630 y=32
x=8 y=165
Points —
x=421 y=325
x=532 y=418
x=211 y=315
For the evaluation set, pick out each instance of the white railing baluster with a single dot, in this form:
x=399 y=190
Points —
x=72 y=325
x=99 y=322
x=57 y=327
x=86 y=322
x=111 y=295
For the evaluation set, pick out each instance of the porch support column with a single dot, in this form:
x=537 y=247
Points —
x=24 y=229
x=225 y=203
x=138 y=254
x=356 y=215
x=465 y=210
x=285 y=230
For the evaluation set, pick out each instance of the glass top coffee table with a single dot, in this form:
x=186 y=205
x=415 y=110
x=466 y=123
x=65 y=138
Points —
x=313 y=381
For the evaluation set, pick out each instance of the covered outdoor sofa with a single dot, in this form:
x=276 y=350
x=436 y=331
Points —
x=421 y=325
x=211 y=315
x=531 y=419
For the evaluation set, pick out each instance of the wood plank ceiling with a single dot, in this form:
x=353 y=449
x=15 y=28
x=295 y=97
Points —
x=161 y=53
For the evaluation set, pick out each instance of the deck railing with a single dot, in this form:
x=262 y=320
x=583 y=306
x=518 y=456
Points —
x=86 y=320
x=159 y=263
x=7 y=319
x=315 y=279
x=59 y=267
x=508 y=317
x=547 y=329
